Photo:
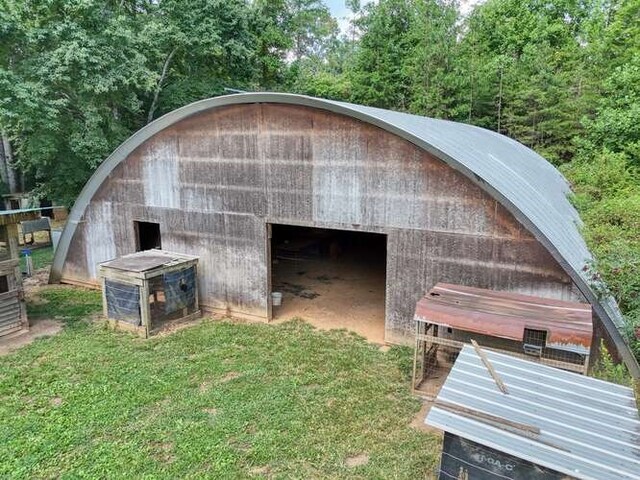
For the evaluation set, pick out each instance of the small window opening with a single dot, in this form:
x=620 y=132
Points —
x=534 y=341
x=147 y=236
x=4 y=284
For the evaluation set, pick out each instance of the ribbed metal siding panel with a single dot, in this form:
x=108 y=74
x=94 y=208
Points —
x=10 y=320
x=588 y=428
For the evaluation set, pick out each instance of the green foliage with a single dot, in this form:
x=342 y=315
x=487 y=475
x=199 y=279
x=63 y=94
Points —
x=77 y=77
x=616 y=125
x=67 y=71
x=218 y=400
x=526 y=72
x=607 y=194
x=380 y=77
x=606 y=369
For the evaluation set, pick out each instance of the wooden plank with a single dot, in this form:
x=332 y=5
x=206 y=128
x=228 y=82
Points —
x=492 y=371
x=145 y=313
x=530 y=431
x=486 y=417
x=10 y=328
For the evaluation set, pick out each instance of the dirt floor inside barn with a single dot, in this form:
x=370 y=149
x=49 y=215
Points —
x=333 y=295
x=333 y=279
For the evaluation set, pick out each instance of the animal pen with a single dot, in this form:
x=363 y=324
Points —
x=13 y=314
x=552 y=332
x=145 y=290
x=547 y=423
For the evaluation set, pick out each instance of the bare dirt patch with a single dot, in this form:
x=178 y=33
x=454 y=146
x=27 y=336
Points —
x=357 y=460
x=260 y=471
x=39 y=278
x=56 y=401
x=38 y=329
x=239 y=445
x=230 y=376
x=163 y=451
x=418 y=420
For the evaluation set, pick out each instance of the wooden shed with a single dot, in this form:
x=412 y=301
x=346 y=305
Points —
x=401 y=202
x=13 y=314
x=146 y=290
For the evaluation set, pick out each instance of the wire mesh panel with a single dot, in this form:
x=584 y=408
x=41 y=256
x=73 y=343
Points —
x=434 y=357
x=123 y=302
x=172 y=296
x=437 y=347
x=148 y=289
x=180 y=291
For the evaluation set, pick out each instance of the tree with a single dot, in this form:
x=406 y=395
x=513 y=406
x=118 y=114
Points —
x=380 y=76
x=526 y=71
x=196 y=49
x=69 y=71
x=433 y=64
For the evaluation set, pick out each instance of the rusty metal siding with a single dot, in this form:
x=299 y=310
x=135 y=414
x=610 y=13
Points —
x=214 y=180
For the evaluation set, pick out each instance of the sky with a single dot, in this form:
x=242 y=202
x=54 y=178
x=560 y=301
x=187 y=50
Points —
x=340 y=11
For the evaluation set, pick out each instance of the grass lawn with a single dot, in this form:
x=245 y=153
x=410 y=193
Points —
x=218 y=400
x=41 y=257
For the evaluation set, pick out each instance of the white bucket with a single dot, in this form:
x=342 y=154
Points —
x=55 y=238
x=276 y=299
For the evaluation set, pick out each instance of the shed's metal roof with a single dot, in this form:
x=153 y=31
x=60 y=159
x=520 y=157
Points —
x=588 y=428
x=147 y=260
x=569 y=325
x=520 y=179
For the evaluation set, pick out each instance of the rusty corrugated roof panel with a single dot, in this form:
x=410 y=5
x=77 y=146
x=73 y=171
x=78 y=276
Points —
x=506 y=315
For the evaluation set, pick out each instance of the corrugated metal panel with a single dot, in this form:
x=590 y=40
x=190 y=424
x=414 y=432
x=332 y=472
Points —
x=588 y=428
x=520 y=179
x=146 y=260
x=10 y=320
x=506 y=315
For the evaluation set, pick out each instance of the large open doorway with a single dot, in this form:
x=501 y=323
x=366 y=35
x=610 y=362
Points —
x=330 y=278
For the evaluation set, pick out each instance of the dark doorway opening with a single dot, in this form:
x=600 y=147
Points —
x=147 y=236
x=330 y=278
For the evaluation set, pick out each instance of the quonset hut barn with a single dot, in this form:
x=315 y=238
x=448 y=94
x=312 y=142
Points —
x=228 y=178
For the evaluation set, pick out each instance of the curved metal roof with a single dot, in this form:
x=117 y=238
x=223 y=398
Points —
x=532 y=189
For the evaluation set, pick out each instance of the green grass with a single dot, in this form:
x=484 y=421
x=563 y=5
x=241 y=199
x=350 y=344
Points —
x=42 y=257
x=218 y=400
